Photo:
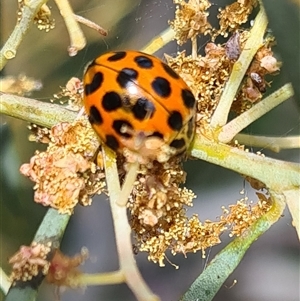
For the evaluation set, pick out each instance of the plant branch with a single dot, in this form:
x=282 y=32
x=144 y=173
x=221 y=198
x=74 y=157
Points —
x=159 y=41
x=123 y=232
x=233 y=127
x=128 y=183
x=277 y=175
x=34 y=111
x=77 y=39
x=4 y=282
x=91 y=24
x=240 y=67
x=292 y=200
x=275 y=144
x=9 y=50
x=101 y=278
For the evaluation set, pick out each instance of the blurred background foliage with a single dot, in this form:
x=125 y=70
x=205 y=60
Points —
x=270 y=270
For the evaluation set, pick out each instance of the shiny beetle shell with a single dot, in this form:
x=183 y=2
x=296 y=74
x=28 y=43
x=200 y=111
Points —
x=135 y=101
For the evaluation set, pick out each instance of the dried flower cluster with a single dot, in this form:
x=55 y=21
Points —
x=255 y=83
x=207 y=74
x=233 y=16
x=29 y=261
x=71 y=94
x=65 y=174
x=20 y=85
x=158 y=215
x=42 y=19
x=241 y=215
x=39 y=134
x=190 y=20
x=64 y=271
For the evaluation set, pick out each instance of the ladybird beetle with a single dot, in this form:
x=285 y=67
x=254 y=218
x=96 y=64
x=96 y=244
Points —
x=136 y=102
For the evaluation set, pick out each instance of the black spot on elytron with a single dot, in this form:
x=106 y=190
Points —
x=143 y=108
x=191 y=128
x=144 y=62
x=157 y=134
x=175 y=121
x=119 y=125
x=111 y=101
x=112 y=142
x=178 y=143
x=95 y=116
x=170 y=71
x=117 y=56
x=161 y=86
x=125 y=76
x=188 y=98
x=95 y=84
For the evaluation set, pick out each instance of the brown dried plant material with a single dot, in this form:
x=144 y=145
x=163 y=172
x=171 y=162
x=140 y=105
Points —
x=206 y=76
x=233 y=16
x=63 y=270
x=20 y=85
x=42 y=19
x=29 y=261
x=158 y=214
x=71 y=94
x=242 y=215
x=39 y=134
x=65 y=174
x=190 y=19
x=255 y=84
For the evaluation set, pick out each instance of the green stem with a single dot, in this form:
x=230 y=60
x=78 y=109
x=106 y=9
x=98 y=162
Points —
x=9 y=50
x=159 y=41
x=275 y=144
x=123 y=232
x=77 y=39
x=101 y=279
x=34 y=111
x=240 y=67
x=277 y=175
x=242 y=121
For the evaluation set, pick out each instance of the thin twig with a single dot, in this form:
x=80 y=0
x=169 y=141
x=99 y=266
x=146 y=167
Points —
x=9 y=49
x=292 y=200
x=90 y=24
x=101 y=279
x=277 y=175
x=275 y=144
x=240 y=67
x=159 y=41
x=242 y=121
x=123 y=232
x=4 y=282
x=194 y=48
x=77 y=39
x=128 y=183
